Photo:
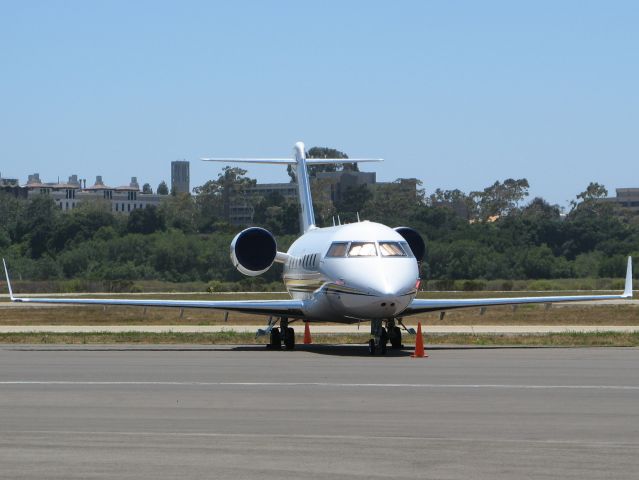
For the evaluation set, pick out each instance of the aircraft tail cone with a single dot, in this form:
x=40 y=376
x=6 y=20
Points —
x=307 y=334
x=419 y=343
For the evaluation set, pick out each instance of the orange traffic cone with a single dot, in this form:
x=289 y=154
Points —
x=307 y=334
x=419 y=343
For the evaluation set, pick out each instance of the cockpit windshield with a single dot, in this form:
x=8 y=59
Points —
x=362 y=249
x=368 y=249
x=391 y=249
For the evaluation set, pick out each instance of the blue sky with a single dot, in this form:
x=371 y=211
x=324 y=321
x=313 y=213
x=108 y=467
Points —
x=456 y=93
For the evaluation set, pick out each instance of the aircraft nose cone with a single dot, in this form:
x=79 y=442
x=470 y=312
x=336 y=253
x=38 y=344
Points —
x=393 y=284
x=394 y=291
x=376 y=289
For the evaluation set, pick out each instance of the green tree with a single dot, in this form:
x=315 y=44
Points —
x=163 y=189
x=180 y=212
x=456 y=200
x=214 y=199
x=500 y=198
x=353 y=200
x=11 y=211
x=81 y=224
x=38 y=225
x=146 y=220
x=146 y=188
x=590 y=201
x=394 y=203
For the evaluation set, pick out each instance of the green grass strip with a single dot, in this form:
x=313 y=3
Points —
x=599 y=339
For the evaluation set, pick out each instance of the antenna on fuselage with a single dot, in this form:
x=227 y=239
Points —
x=333 y=220
x=358 y=220
x=339 y=221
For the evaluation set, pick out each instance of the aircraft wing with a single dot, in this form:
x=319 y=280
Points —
x=289 y=308
x=433 y=305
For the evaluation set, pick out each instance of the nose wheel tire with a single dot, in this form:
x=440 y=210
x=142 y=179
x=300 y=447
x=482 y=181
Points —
x=378 y=344
x=383 y=340
x=396 y=338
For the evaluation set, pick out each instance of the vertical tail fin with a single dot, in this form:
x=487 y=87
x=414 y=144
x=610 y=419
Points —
x=303 y=188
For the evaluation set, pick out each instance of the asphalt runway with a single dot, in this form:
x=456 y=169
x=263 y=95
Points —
x=320 y=412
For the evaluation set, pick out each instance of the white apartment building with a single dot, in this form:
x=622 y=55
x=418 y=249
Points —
x=123 y=199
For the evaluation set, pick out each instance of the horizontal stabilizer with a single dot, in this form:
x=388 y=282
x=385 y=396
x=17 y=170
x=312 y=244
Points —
x=339 y=161
x=291 y=161
x=270 y=161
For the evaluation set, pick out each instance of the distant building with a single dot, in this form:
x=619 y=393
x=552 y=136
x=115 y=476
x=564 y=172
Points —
x=287 y=190
x=12 y=186
x=68 y=196
x=241 y=209
x=339 y=182
x=336 y=184
x=627 y=198
x=180 y=177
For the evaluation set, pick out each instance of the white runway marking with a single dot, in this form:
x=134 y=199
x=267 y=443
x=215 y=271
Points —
x=325 y=384
x=537 y=441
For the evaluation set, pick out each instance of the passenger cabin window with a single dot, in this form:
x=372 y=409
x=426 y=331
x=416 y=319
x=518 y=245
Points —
x=362 y=249
x=391 y=249
x=337 y=249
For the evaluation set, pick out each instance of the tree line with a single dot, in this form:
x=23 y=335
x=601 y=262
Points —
x=496 y=233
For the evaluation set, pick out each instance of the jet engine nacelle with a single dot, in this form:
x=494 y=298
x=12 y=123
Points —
x=414 y=240
x=253 y=251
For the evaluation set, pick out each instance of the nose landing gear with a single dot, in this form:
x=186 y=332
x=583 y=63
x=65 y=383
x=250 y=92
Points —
x=377 y=344
x=394 y=334
x=382 y=335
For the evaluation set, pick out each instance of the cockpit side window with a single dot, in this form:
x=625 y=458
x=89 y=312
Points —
x=391 y=249
x=337 y=249
x=407 y=249
x=362 y=249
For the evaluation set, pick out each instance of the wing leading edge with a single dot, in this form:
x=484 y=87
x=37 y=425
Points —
x=289 y=308
x=434 y=305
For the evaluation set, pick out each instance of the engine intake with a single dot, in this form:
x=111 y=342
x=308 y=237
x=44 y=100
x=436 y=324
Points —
x=414 y=240
x=253 y=251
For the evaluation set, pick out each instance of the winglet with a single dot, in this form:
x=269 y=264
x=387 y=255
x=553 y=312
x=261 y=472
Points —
x=6 y=272
x=627 y=293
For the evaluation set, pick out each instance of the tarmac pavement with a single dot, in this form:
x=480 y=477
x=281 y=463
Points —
x=318 y=412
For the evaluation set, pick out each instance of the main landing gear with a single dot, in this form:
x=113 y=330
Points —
x=381 y=336
x=284 y=334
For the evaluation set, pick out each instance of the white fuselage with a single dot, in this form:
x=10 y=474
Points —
x=350 y=288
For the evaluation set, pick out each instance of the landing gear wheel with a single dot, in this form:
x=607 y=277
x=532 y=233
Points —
x=276 y=339
x=383 y=340
x=396 y=338
x=289 y=338
x=371 y=346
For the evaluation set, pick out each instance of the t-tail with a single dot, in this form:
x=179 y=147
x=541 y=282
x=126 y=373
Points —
x=299 y=162
x=303 y=188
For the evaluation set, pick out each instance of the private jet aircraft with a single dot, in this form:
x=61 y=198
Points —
x=350 y=273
